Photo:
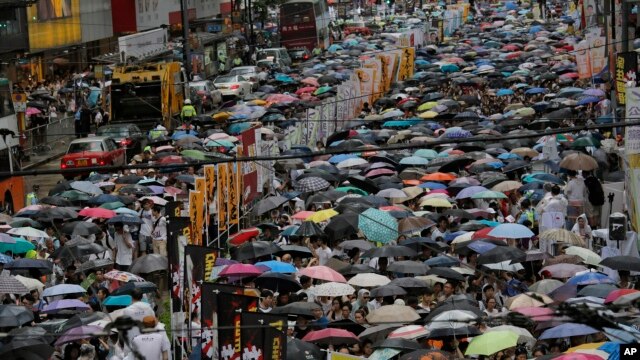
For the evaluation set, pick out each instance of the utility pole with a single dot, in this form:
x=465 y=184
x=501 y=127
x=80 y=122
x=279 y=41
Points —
x=186 y=51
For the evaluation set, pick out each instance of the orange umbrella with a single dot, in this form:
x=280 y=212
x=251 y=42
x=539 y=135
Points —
x=438 y=176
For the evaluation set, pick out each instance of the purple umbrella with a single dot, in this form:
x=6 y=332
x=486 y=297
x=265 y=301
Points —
x=593 y=92
x=79 y=333
x=567 y=330
x=66 y=304
x=470 y=191
x=158 y=190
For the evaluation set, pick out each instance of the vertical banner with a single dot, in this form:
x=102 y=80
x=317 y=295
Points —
x=173 y=209
x=210 y=180
x=378 y=87
x=626 y=71
x=249 y=168
x=235 y=184
x=197 y=264
x=195 y=214
x=405 y=70
x=583 y=63
x=229 y=321
x=223 y=187
x=632 y=156
x=178 y=234
x=263 y=336
x=597 y=54
x=313 y=120
x=209 y=322
x=384 y=71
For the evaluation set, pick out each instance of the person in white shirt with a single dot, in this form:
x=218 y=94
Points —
x=323 y=252
x=576 y=192
x=152 y=345
x=147 y=225
x=137 y=311
x=159 y=232
x=124 y=247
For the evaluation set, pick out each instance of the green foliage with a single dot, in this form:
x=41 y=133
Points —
x=165 y=315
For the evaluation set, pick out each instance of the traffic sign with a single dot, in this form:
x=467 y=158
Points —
x=19 y=102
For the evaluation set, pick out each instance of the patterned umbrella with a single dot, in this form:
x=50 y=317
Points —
x=122 y=276
x=11 y=285
x=378 y=225
x=333 y=289
x=311 y=184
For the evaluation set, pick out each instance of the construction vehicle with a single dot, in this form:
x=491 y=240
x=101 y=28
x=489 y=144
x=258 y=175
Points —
x=144 y=94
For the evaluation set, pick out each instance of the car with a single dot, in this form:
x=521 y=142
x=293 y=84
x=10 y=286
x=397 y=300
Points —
x=233 y=85
x=278 y=65
x=129 y=136
x=299 y=55
x=248 y=72
x=205 y=90
x=274 y=53
x=91 y=152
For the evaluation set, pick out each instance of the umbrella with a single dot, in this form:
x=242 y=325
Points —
x=589 y=278
x=38 y=267
x=30 y=283
x=545 y=286
x=331 y=336
x=63 y=289
x=122 y=276
x=567 y=330
x=311 y=184
x=14 y=315
x=500 y=253
x=528 y=299
x=118 y=300
x=303 y=350
x=563 y=271
x=256 y=249
x=125 y=219
x=278 y=282
x=627 y=263
x=409 y=332
x=562 y=236
x=579 y=161
x=409 y=267
x=11 y=285
x=597 y=290
x=511 y=231
x=27 y=348
x=333 y=289
x=267 y=204
x=243 y=236
x=393 y=314
x=277 y=266
x=446 y=273
x=240 y=270
x=378 y=225
x=300 y=308
x=443 y=260
x=587 y=256
x=390 y=251
x=387 y=290
x=28 y=232
x=491 y=342
x=66 y=304
x=86 y=187
x=149 y=263
x=94 y=265
x=398 y=343
x=295 y=251
x=368 y=280
x=144 y=286
x=321 y=272
x=79 y=333
x=19 y=246
x=308 y=229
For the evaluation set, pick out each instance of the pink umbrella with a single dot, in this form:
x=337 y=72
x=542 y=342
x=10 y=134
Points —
x=321 y=272
x=280 y=98
x=536 y=313
x=467 y=180
x=311 y=81
x=302 y=215
x=439 y=191
x=32 y=111
x=97 y=213
x=241 y=270
x=563 y=271
x=331 y=336
x=305 y=90
x=218 y=136
x=379 y=172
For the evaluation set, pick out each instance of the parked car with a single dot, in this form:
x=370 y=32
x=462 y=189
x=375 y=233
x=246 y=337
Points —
x=299 y=55
x=233 y=85
x=248 y=72
x=205 y=90
x=128 y=136
x=274 y=53
x=91 y=152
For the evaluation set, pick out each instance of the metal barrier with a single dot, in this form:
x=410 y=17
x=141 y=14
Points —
x=43 y=139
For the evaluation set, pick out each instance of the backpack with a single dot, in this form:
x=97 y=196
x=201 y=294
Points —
x=594 y=190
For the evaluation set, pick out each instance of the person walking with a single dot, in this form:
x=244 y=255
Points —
x=159 y=231
x=188 y=112
x=124 y=247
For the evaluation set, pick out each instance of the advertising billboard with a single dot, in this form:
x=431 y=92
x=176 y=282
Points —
x=54 y=23
x=143 y=44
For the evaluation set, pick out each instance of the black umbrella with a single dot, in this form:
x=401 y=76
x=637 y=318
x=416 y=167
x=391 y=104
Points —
x=14 y=315
x=27 y=348
x=278 y=282
x=32 y=266
x=268 y=204
x=399 y=343
x=300 y=308
x=463 y=331
x=515 y=165
x=363 y=183
x=256 y=249
x=91 y=265
x=627 y=263
x=409 y=283
x=309 y=228
x=149 y=263
x=348 y=325
x=388 y=290
x=453 y=306
x=295 y=251
x=356 y=269
x=456 y=164
x=416 y=243
x=446 y=273
x=127 y=289
x=80 y=228
x=298 y=349
x=128 y=179
x=502 y=253
x=342 y=226
x=390 y=251
x=408 y=267
x=32 y=332
x=56 y=201
x=135 y=189
x=75 y=252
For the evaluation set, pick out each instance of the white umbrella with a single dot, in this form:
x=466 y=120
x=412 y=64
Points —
x=431 y=279
x=29 y=232
x=587 y=256
x=452 y=319
x=393 y=314
x=505 y=266
x=368 y=280
x=351 y=163
x=333 y=289
x=86 y=187
x=462 y=270
x=30 y=283
x=463 y=238
x=409 y=332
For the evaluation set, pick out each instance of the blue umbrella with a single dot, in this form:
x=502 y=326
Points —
x=284 y=78
x=589 y=100
x=341 y=157
x=511 y=6
x=237 y=128
x=509 y=156
x=102 y=199
x=278 y=266
x=544 y=177
x=535 y=90
x=470 y=191
x=177 y=135
x=511 y=231
x=570 y=91
x=449 y=68
x=481 y=247
x=590 y=278
x=414 y=160
x=5 y=259
x=118 y=300
x=126 y=211
x=334 y=48
x=504 y=92
x=125 y=219
x=63 y=289
x=432 y=185
x=535 y=29
x=378 y=225
x=290 y=230
x=567 y=330
x=489 y=223
x=442 y=261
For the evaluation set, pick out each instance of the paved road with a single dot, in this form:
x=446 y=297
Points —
x=46 y=182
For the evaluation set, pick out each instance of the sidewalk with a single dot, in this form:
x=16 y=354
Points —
x=56 y=138
x=58 y=149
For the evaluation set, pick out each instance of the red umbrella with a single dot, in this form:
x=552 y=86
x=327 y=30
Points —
x=240 y=270
x=331 y=336
x=311 y=81
x=97 y=213
x=305 y=90
x=482 y=234
x=172 y=190
x=171 y=159
x=615 y=294
x=280 y=98
x=323 y=273
x=510 y=47
x=514 y=55
x=438 y=176
x=379 y=172
x=243 y=236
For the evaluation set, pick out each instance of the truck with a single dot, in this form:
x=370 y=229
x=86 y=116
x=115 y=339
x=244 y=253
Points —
x=144 y=94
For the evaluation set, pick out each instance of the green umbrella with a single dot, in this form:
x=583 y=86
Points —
x=20 y=247
x=218 y=143
x=488 y=194
x=322 y=90
x=585 y=142
x=352 y=189
x=378 y=225
x=75 y=195
x=492 y=342
x=426 y=153
x=113 y=205
x=193 y=154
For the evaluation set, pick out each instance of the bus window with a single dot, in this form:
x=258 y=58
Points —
x=6 y=103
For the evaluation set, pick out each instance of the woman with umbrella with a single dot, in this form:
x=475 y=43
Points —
x=582 y=228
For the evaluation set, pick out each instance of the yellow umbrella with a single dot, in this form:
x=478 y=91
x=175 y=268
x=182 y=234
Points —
x=589 y=346
x=413 y=192
x=222 y=116
x=428 y=115
x=258 y=102
x=436 y=202
x=526 y=111
x=322 y=215
x=427 y=106
x=525 y=151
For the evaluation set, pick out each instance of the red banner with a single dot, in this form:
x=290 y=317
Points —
x=249 y=168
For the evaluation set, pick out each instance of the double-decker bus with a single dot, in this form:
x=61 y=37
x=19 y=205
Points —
x=304 y=24
x=12 y=194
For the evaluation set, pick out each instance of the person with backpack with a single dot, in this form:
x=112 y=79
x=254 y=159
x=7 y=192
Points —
x=595 y=198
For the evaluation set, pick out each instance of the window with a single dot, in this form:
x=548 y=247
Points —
x=6 y=103
x=94 y=146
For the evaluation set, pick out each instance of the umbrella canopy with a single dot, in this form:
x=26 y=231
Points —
x=579 y=161
x=567 y=330
x=63 y=289
x=378 y=225
x=621 y=262
x=333 y=289
x=491 y=342
x=393 y=314
x=321 y=272
x=149 y=263
x=368 y=280
x=14 y=315
x=297 y=348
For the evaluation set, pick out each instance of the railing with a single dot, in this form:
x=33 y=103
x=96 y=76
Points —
x=42 y=140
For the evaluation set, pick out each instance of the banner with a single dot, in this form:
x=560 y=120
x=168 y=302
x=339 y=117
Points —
x=263 y=336
x=366 y=78
x=229 y=320
x=197 y=262
x=626 y=71
x=178 y=234
x=632 y=158
x=235 y=186
x=341 y=356
x=194 y=215
x=583 y=63
x=384 y=71
x=209 y=316
x=597 y=53
x=405 y=70
x=223 y=187
x=173 y=209
x=250 y=168
x=210 y=181
x=313 y=120
x=378 y=87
